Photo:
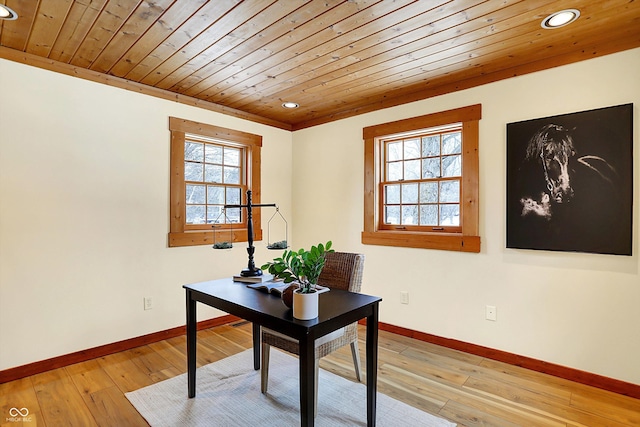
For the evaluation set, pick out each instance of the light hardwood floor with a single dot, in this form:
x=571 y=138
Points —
x=466 y=389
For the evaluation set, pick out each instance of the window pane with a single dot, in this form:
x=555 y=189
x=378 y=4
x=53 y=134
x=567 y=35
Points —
x=412 y=169
x=195 y=195
x=233 y=215
x=394 y=151
x=213 y=154
x=392 y=194
x=411 y=149
x=452 y=165
x=215 y=195
x=212 y=173
x=195 y=214
x=214 y=216
x=428 y=214
x=193 y=151
x=449 y=191
x=392 y=214
x=450 y=215
x=231 y=156
x=409 y=215
x=422 y=179
x=409 y=193
x=231 y=175
x=429 y=192
x=431 y=168
x=452 y=143
x=192 y=171
x=394 y=171
x=233 y=196
x=431 y=146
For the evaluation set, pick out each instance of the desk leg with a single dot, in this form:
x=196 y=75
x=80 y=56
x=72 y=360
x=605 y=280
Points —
x=307 y=381
x=372 y=365
x=191 y=345
x=256 y=346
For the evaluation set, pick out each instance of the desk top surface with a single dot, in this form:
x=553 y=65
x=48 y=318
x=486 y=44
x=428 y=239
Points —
x=256 y=305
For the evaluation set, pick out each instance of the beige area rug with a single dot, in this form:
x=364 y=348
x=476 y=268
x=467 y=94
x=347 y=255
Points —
x=228 y=394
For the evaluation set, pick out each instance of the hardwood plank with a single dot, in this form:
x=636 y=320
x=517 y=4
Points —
x=109 y=21
x=389 y=341
x=60 y=401
x=409 y=382
x=124 y=372
x=238 y=335
x=616 y=407
x=174 y=351
x=538 y=403
x=19 y=394
x=424 y=350
x=214 y=33
x=322 y=31
x=47 y=25
x=237 y=36
x=431 y=367
x=472 y=417
x=111 y=408
x=224 y=66
x=179 y=38
x=146 y=14
x=217 y=343
x=159 y=31
x=315 y=66
x=15 y=34
x=89 y=377
x=83 y=15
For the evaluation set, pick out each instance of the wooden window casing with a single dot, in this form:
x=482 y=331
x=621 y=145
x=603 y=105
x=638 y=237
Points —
x=183 y=234
x=464 y=238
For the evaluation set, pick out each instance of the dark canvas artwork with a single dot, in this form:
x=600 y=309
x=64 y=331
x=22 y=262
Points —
x=570 y=182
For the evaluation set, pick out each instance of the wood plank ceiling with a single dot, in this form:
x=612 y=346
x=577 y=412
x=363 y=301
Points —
x=335 y=58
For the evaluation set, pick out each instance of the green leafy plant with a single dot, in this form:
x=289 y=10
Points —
x=302 y=266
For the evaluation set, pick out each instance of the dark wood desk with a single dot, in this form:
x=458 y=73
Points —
x=337 y=309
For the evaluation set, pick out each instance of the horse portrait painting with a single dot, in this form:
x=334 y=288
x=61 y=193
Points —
x=570 y=182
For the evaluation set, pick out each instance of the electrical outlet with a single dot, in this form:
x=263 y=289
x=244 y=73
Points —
x=148 y=303
x=404 y=297
x=491 y=313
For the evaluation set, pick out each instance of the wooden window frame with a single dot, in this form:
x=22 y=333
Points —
x=468 y=240
x=179 y=232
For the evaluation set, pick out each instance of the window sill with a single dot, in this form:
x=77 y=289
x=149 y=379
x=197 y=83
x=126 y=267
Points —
x=443 y=241
x=194 y=238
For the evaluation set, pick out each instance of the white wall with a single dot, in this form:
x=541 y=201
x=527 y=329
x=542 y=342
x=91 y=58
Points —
x=576 y=310
x=84 y=214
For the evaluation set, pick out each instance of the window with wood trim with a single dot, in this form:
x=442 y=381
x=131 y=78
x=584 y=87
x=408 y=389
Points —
x=421 y=182
x=211 y=167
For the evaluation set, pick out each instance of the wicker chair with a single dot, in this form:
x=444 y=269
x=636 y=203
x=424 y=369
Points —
x=342 y=270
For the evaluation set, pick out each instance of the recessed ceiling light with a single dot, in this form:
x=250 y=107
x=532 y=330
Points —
x=290 y=104
x=7 y=14
x=560 y=19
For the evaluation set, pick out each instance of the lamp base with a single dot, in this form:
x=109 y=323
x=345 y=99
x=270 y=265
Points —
x=251 y=273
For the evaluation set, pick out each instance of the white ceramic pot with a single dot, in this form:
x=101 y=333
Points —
x=305 y=306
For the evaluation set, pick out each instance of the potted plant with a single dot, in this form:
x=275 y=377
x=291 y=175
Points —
x=302 y=267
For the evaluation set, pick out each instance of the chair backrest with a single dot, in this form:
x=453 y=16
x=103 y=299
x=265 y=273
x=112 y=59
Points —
x=342 y=270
